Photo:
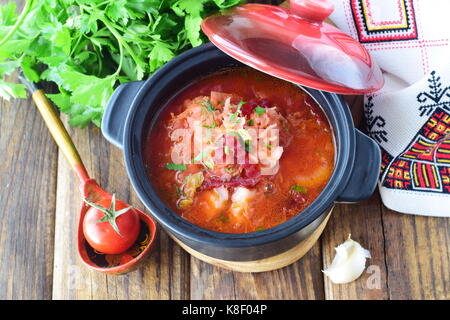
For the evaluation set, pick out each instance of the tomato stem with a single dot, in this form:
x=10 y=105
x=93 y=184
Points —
x=110 y=214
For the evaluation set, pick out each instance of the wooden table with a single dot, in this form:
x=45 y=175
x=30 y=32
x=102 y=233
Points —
x=39 y=204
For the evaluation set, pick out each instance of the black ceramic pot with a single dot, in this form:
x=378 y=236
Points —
x=133 y=110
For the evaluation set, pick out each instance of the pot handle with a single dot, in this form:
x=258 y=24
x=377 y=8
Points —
x=366 y=169
x=116 y=111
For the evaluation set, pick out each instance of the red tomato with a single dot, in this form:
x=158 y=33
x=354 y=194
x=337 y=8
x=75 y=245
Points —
x=102 y=236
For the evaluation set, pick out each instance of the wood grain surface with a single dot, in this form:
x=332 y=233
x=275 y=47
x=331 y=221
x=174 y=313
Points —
x=39 y=204
x=28 y=168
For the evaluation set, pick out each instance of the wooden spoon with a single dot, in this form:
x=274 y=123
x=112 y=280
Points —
x=90 y=190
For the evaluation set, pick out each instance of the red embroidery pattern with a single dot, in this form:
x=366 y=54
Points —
x=369 y=30
x=398 y=175
x=425 y=163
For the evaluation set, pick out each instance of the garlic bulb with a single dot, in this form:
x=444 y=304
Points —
x=349 y=262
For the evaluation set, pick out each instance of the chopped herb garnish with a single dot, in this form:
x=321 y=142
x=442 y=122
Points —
x=174 y=166
x=200 y=157
x=298 y=188
x=238 y=109
x=251 y=122
x=204 y=111
x=268 y=146
x=211 y=126
x=209 y=164
x=209 y=106
x=247 y=146
x=260 y=110
x=260 y=229
x=179 y=191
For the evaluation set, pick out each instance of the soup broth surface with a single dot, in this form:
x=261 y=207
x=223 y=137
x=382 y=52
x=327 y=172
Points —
x=240 y=151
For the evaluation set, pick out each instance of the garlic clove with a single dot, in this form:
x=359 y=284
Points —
x=349 y=262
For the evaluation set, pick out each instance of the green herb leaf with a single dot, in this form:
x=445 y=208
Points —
x=209 y=106
x=8 y=13
x=248 y=146
x=209 y=164
x=28 y=65
x=174 y=166
x=238 y=109
x=192 y=25
x=62 y=39
x=89 y=47
x=79 y=116
x=194 y=7
x=88 y=90
x=211 y=126
x=160 y=54
x=259 y=110
x=8 y=90
x=201 y=157
x=179 y=192
x=300 y=189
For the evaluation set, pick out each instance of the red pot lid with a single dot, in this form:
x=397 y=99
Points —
x=296 y=45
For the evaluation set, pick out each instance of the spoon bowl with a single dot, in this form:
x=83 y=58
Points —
x=90 y=190
x=113 y=263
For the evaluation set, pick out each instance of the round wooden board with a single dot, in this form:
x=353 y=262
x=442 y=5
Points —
x=267 y=264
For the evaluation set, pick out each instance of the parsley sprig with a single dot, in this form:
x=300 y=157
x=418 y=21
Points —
x=89 y=47
x=236 y=113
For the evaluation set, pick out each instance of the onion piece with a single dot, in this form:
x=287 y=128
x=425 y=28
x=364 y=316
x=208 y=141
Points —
x=349 y=262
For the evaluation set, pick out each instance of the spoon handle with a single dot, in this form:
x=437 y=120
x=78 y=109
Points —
x=57 y=129
x=60 y=134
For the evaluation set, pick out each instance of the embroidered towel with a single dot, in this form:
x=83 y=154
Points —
x=410 y=116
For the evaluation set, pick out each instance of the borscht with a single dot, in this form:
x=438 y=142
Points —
x=239 y=151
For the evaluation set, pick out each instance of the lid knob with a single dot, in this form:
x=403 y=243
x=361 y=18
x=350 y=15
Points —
x=313 y=10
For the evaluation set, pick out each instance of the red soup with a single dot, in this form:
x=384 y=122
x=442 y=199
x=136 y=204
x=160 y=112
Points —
x=240 y=151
